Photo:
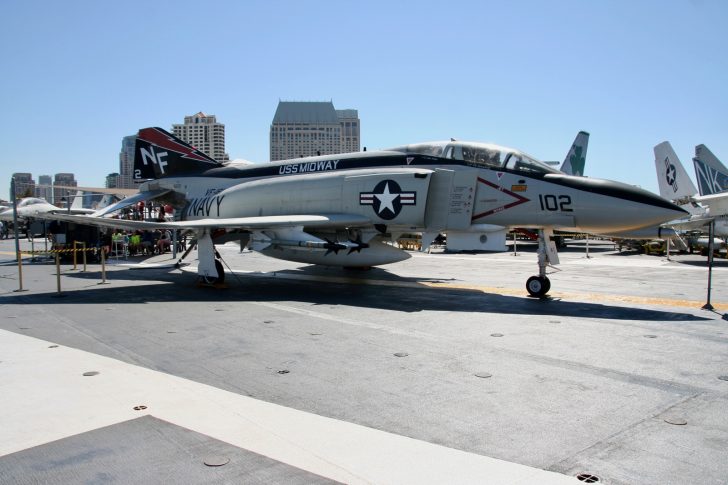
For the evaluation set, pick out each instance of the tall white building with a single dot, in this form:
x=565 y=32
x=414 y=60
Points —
x=126 y=163
x=204 y=133
x=350 y=138
x=309 y=128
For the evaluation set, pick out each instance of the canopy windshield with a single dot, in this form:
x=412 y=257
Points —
x=479 y=154
x=31 y=201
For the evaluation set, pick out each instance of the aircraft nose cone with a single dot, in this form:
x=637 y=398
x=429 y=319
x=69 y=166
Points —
x=613 y=206
x=662 y=214
x=641 y=208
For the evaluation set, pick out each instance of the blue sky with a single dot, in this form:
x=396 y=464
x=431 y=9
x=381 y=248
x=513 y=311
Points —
x=78 y=76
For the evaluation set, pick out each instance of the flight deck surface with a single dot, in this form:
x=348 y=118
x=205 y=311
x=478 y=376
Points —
x=436 y=369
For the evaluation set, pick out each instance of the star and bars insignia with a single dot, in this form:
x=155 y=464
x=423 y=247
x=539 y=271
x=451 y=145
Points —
x=387 y=199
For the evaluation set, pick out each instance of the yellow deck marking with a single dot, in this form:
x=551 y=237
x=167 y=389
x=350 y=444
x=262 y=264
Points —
x=590 y=297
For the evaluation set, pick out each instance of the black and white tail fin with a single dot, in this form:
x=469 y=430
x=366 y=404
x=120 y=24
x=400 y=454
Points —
x=673 y=180
x=576 y=158
x=712 y=175
x=159 y=154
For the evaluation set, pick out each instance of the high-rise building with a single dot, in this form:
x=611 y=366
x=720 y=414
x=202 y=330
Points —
x=24 y=185
x=204 y=133
x=63 y=180
x=309 y=128
x=126 y=163
x=44 y=189
x=349 y=121
x=113 y=180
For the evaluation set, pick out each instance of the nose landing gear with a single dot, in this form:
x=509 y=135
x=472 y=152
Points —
x=538 y=286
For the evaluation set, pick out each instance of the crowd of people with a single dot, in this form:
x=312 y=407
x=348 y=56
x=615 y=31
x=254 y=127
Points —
x=147 y=212
x=139 y=243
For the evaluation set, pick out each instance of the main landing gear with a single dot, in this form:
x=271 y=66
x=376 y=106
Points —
x=209 y=268
x=538 y=286
x=215 y=280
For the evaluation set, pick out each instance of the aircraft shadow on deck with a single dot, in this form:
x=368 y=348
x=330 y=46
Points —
x=416 y=296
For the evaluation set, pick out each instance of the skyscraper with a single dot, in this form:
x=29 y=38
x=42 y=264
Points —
x=113 y=180
x=126 y=163
x=349 y=121
x=304 y=129
x=24 y=185
x=63 y=180
x=44 y=190
x=204 y=133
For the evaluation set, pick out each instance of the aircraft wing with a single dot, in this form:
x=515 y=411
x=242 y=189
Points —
x=718 y=203
x=692 y=224
x=95 y=190
x=78 y=210
x=260 y=222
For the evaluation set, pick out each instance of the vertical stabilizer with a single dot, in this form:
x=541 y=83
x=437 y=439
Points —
x=712 y=175
x=159 y=154
x=78 y=200
x=674 y=181
x=576 y=158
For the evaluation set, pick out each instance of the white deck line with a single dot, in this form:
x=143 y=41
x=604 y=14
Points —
x=44 y=397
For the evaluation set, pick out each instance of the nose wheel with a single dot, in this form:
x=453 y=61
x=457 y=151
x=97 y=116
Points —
x=538 y=286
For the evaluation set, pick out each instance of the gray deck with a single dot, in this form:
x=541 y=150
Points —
x=585 y=382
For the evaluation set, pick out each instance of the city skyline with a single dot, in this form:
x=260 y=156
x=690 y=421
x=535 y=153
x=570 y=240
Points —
x=525 y=75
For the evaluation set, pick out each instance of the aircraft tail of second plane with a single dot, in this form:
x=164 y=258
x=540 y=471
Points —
x=711 y=173
x=673 y=179
x=576 y=158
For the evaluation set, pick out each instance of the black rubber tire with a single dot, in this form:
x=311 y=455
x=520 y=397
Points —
x=220 y=275
x=538 y=286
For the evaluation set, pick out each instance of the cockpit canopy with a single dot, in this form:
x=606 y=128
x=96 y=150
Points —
x=479 y=154
x=31 y=201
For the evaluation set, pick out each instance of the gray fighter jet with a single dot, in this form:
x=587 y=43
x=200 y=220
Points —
x=336 y=210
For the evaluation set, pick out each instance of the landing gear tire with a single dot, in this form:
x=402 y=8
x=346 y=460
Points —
x=538 y=286
x=211 y=280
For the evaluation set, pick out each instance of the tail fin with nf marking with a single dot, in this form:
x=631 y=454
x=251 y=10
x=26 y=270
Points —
x=159 y=154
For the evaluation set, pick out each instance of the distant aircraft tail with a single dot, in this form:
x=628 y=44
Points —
x=78 y=200
x=159 y=154
x=576 y=158
x=674 y=181
x=712 y=175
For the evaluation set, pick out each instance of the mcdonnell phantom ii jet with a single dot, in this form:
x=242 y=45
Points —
x=336 y=209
